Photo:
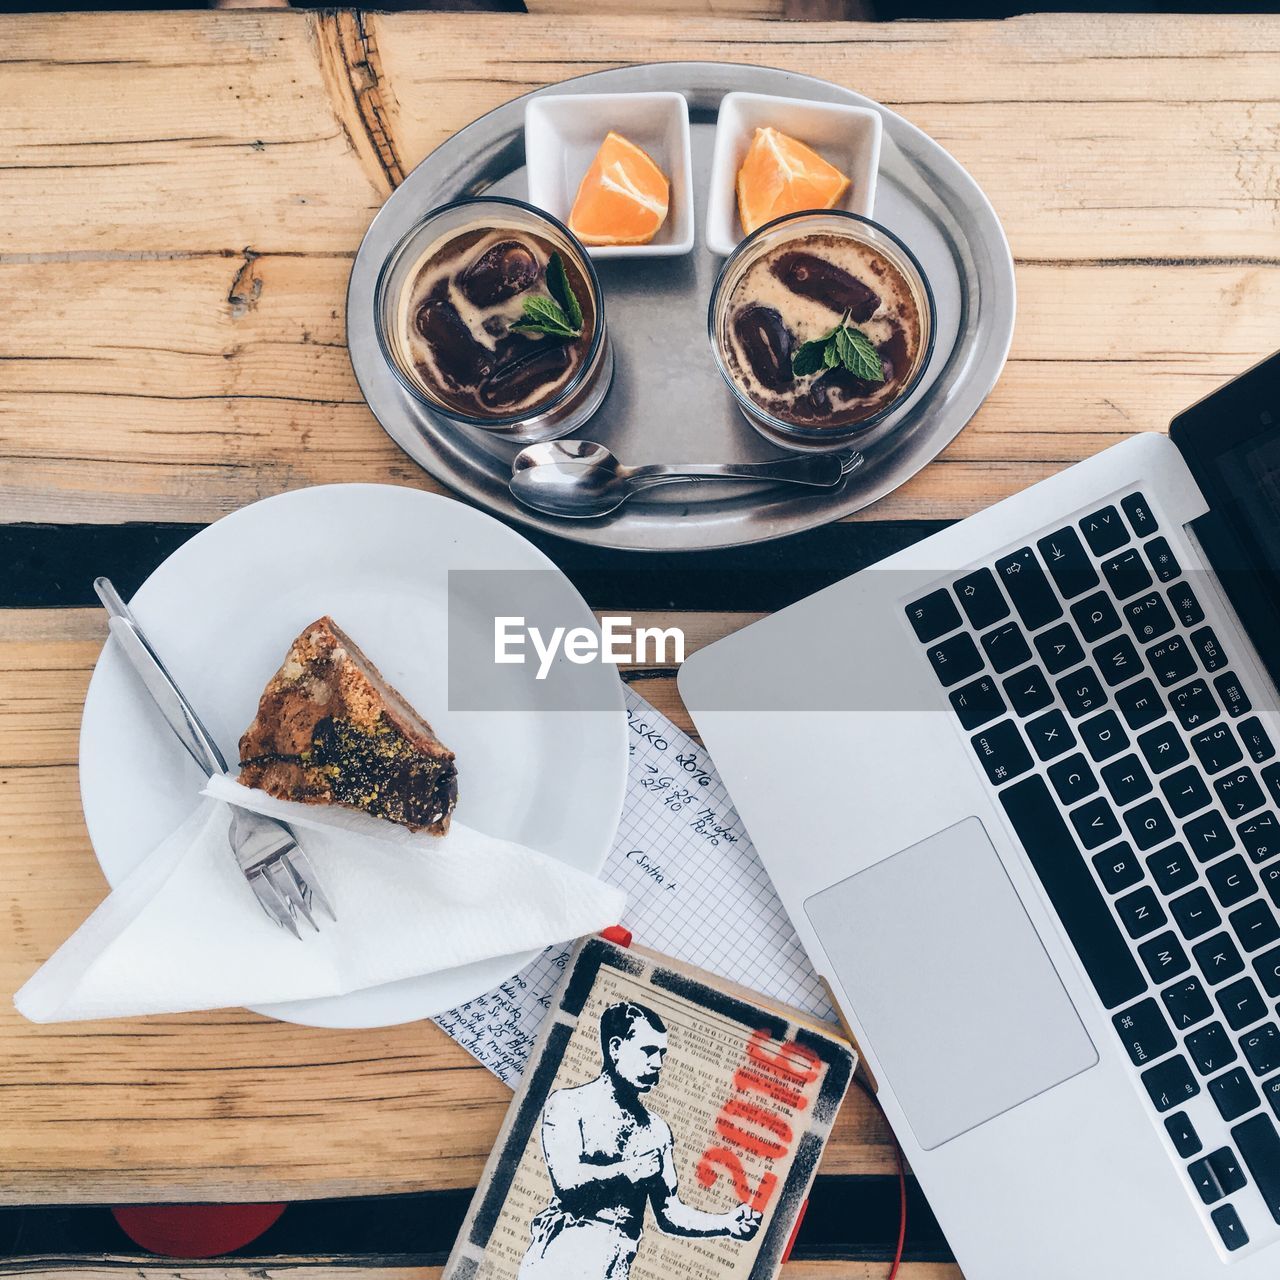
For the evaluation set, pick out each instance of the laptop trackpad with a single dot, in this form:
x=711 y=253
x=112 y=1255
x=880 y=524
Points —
x=957 y=996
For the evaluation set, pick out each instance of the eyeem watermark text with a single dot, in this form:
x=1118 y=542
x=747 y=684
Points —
x=617 y=642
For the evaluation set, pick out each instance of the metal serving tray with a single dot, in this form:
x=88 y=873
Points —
x=668 y=402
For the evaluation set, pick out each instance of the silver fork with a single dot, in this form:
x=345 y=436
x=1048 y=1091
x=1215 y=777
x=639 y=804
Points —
x=269 y=857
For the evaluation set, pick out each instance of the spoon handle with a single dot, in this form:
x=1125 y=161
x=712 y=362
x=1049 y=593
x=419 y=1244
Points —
x=822 y=470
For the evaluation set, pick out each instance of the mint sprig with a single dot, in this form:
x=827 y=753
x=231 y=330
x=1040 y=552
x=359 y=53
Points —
x=558 y=316
x=844 y=346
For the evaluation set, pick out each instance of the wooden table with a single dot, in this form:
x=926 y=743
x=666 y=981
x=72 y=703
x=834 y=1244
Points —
x=181 y=198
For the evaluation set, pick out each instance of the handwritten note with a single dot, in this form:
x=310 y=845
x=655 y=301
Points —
x=695 y=888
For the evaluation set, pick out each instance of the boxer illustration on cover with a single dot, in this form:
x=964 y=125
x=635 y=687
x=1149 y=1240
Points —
x=608 y=1156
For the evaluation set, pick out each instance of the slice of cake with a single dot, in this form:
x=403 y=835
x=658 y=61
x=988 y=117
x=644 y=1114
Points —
x=331 y=730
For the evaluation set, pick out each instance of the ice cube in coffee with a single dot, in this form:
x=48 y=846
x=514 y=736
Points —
x=792 y=297
x=464 y=322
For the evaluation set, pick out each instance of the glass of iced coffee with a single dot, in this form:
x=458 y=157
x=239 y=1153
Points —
x=489 y=313
x=822 y=324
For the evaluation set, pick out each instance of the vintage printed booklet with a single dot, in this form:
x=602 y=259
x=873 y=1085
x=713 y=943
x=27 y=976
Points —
x=668 y=1124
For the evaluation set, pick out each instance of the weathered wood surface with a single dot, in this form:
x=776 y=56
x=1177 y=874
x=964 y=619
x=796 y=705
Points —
x=180 y=215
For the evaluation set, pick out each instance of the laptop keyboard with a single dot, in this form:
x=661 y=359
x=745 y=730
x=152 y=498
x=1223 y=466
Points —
x=1125 y=751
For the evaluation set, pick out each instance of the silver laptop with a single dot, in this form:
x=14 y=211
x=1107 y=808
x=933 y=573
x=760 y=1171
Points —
x=1018 y=788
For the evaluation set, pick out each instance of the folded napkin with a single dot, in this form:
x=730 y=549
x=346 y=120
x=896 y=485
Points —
x=184 y=931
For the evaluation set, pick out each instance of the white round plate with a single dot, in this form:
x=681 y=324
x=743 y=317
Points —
x=222 y=611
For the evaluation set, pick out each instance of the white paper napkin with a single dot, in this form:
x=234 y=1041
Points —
x=184 y=931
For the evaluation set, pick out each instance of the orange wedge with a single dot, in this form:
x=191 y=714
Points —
x=624 y=197
x=780 y=176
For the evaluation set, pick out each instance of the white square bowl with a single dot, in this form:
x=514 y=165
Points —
x=563 y=132
x=845 y=136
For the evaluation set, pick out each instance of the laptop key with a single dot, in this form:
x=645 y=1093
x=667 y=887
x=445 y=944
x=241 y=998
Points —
x=1231 y=880
x=1270 y=877
x=1230 y=1175
x=1104 y=736
x=1073 y=779
x=1096 y=617
x=1141 y=913
x=1118 y=660
x=1085 y=915
x=1126 y=574
x=1028 y=588
x=1162 y=560
x=1081 y=692
x=1255 y=925
x=1255 y=739
x=1194 y=913
x=976 y=703
x=1267 y=967
x=980 y=598
x=1182 y=1133
x=1241 y=1003
x=1218 y=958
x=1006 y=647
x=1271 y=1094
x=1050 y=735
x=1058 y=648
x=1185 y=605
x=1208 y=835
x=1216 y=748
x=1172 y=660
x=1095 y=823
x=1230 y=1228
x=1104 y=531
x=1148 y=824
x=1140 y=704
x=1211 y=1048
x=1259 y=1145
x=1185 y=792
x=933 y=616
x=1002 y=752
x=1117 y=867
x=1149 y=617
x=1068 y=562
x=1205 y=1180
x=1172 y=869
x=1170 y=1083
x=1144 y=1032
x=1209 y=649
x=955 y=659
x=1162 y=747
x=1163 y=957
x=1138 y=510
x=1260 y=836
x=1193 y=704
x=1261 y=1049
x=1271 y=780
x=1234 y=699
x=1028 y=692
x=1233 y=1094
x=1126 y=780
x=1187 y=1003
x=1239 y=793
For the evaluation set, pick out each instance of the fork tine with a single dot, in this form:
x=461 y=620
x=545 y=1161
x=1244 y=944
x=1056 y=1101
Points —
x=280 y=873
x=300 y=865
x=273 y=903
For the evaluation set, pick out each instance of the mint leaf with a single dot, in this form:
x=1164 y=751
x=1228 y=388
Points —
x=809 y=357
x=831 y=353
x=547 y=317
x=562 y=291
x=858 y=355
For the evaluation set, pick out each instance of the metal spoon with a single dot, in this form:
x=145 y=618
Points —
x=577 y=479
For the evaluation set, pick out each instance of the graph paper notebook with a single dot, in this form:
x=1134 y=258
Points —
x=695 y=888
x=669 y=1125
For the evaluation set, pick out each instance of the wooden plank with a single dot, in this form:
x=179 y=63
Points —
x=130 y=1109
x=149 y=1268
x=176 y=267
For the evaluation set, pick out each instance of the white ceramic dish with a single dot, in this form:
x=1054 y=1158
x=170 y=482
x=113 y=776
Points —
x=845 y=136
x=563 y=132
x=222 y=611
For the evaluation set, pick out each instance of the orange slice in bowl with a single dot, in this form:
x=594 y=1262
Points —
x=780 y=176
x=624 y=197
